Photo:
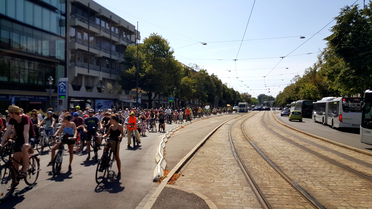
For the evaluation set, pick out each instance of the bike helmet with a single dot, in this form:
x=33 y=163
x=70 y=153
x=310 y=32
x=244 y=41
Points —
x=75 y=114
x=77 y=107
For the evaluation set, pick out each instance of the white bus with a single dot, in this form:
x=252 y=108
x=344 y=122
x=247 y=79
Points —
x=366 y=125
x=320 y=110
x=243 y=106
x=344 y=112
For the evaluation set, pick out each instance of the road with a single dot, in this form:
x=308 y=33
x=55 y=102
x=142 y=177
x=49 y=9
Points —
x=349 y=137
x=78 y=189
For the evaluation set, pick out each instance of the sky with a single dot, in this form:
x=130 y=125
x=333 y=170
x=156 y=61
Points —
x=255 y=47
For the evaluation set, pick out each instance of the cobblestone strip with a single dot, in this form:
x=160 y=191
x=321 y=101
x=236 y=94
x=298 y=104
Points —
x=350 y=158
x=214 y=173
x=277 y=191
x=332 y=186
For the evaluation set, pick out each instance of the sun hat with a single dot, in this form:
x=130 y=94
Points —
x=14 y=109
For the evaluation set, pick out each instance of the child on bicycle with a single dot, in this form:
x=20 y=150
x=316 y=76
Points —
x=115 y=133
x=69 y=129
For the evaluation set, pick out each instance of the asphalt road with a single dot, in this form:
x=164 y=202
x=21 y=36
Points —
x=78 y=189
x=349 y=137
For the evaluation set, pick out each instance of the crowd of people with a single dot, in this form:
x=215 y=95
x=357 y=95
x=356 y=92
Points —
x=114 y=124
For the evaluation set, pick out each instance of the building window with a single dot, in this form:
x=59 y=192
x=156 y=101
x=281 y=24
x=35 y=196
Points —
x=2 y=7
x=29 y=13
x=10 y=9
x=46 y=19
x=20 y=10
x=4 y=70
x=72 y=32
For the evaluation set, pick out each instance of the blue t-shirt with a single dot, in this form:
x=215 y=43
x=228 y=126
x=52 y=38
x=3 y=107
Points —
x=91 y=123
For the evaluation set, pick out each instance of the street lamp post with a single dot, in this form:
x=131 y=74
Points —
x=50 y=82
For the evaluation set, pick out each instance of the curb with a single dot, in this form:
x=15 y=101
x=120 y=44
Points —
x=160 y=161
x=179 y=165
x=324 y=139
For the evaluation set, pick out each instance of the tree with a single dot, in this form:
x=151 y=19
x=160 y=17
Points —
x=351 y=42
x=159 y=72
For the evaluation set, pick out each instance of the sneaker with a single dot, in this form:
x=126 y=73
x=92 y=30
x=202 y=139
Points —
x=69 y=168
x=119 y=175
x=50 y=164
x=88 y=158
x=128 y=146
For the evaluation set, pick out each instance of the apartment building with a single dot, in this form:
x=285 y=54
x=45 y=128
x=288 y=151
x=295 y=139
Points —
x=97 y=40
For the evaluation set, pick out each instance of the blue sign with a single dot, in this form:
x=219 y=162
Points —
x=62 y=89
x=13 y=100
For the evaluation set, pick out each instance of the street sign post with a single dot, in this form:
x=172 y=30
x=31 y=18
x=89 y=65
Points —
x=62 y=93
x=62 y=89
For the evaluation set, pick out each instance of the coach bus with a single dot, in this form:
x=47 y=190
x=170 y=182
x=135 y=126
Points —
x=305 y=106
x=320 y=110
x=366 y=125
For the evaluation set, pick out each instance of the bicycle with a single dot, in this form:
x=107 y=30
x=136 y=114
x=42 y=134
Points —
x=152 y=125
x=79 y=143
x=45 y=141
x=135 y=141
x=94 y=144
x=8 y=172
x=58 y=158
x=104 y=166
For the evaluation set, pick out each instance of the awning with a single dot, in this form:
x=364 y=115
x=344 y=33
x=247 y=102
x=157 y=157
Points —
x=127 y=100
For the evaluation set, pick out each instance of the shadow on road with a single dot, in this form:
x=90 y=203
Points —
x=60 y=177
x=111 y=185
x=17 y=197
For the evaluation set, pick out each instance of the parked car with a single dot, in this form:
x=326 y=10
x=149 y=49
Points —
x=295 y=115
x=285 y=112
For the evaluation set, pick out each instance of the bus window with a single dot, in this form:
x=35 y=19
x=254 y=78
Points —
x=351 y=105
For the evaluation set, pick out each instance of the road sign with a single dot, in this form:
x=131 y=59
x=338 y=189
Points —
x=62 y=89
x=171 y=99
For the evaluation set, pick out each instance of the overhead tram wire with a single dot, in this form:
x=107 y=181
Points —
x=307 y=40
x=241 y=43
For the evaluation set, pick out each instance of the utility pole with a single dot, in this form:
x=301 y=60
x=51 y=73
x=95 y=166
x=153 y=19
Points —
x=137 y=68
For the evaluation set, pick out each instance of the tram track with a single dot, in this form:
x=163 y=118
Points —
x=260 y=194
x=315 y=152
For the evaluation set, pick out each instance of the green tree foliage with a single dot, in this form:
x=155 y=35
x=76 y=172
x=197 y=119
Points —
x=344 y=68
x=160 y=73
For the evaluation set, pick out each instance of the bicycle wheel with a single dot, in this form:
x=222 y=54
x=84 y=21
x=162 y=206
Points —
x=6 y=182
x=101 y=171
x=95 y=148
x=32 y=171
x=134 y=139
x=57 y=163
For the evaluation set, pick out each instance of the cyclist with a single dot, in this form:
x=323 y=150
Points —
x=161 y=120
x=69 y=130
x=35 y=122
x=90 y=123
x=115 y=133
x=168 y=112
x=105 y=122
x=24 y=131
x=79 y=122
x=49 y=123
x=131 y=123
x=143 y=125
